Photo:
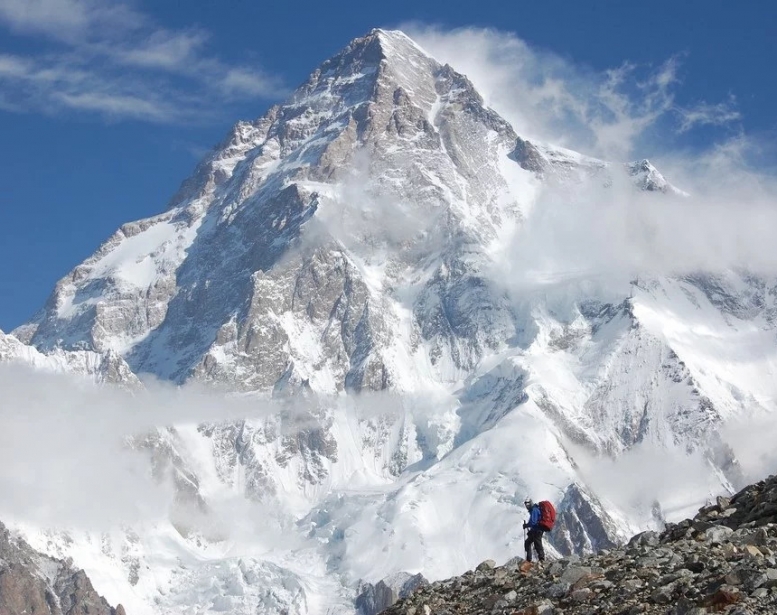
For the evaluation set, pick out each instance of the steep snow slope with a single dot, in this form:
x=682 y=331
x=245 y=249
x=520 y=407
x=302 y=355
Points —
x=338 y=255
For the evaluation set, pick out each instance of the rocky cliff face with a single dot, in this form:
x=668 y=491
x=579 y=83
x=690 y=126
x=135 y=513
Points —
x=31 y=582
x=723 y=560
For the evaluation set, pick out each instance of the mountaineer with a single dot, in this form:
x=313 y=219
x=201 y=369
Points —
x=542 y=516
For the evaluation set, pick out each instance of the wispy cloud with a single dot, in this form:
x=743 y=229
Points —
x=164 y=50
x=64 y=441
x=108 y=58
x=709 y=114
x=118 y=105
x=549 y=98
x=68 y=20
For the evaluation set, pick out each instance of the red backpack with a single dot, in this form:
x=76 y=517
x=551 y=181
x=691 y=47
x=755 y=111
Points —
x=547 y=515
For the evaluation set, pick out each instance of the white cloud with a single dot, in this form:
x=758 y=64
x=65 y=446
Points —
x=615 y=233
x=693 y=481
x=108 y=58
x=65 y=461
x=708 y=114
x=118 y=105
x=163 y=49
x=362 y=214
x=50 y=84
x=12 y=66
x=240 y=81
x=752 y=439
x=64 y=458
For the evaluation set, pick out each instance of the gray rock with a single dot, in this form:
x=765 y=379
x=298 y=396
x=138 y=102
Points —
x=488 y=564
x=574 y=573
x=632 y=585
x=544 y=608
x=557 y=590
x=645 y=539
x=662 y=595
x=581 y=595
x=717 y=534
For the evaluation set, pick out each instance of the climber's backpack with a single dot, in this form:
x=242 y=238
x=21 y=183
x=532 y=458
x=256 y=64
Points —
x=547 y=515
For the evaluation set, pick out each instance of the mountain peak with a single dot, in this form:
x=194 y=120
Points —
x=365 y=54
x=397 y=43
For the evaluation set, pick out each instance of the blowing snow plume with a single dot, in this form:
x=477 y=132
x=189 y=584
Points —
x=617 y=114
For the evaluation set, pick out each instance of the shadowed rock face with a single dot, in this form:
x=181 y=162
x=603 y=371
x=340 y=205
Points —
x=36 y=584
x=583 y=525
x=722 y=560
x=528 y=156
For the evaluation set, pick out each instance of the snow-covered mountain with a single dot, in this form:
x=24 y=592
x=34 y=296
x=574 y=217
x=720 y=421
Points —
x=338 y=255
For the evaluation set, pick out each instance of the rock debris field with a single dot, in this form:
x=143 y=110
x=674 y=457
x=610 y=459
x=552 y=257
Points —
x=724 y=560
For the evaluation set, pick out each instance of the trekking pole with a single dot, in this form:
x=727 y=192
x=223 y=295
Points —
x=524 y=541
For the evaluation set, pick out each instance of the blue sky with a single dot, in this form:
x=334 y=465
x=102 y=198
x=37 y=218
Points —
x=106 y=106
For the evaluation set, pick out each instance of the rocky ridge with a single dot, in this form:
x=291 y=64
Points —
x=723 y=560
x=100 y=368
x=34 y=583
